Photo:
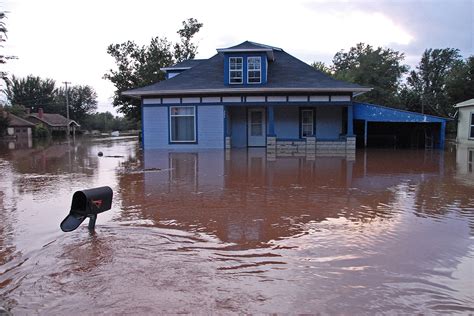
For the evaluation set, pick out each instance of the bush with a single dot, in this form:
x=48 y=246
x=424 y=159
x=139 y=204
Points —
x=41 y=132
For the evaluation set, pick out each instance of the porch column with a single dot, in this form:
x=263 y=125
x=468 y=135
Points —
x=271 y=137
x=227 y=138
x=350 y=137
x=365 y=133
x=442 y=134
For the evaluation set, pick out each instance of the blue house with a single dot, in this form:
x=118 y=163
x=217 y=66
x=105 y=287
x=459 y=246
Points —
x=248 y=95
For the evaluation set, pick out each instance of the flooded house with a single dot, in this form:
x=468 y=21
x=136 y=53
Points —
x=255 y=95
x=465 y=134
x=55 y=123
x=18 y=127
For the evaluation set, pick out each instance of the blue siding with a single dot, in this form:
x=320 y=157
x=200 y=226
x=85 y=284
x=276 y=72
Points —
x=210 y=128
x=287 y=122
x=328 y=122
x=238 y=126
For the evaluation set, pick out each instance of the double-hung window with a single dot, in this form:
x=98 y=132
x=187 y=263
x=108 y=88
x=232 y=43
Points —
x=236 y=69
x=183 y=124
x=307 y=123
x=471 y=127
x=254 y=70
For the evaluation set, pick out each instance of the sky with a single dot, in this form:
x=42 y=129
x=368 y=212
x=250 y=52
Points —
x=66 y=40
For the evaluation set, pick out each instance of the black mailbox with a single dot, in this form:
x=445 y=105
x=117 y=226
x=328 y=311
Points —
x=87 y=203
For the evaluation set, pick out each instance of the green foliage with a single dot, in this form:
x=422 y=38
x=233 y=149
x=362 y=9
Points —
x=139 y=66
x=32 y=92
x=18 y=110
x=3 y=38
x=106 y=122
x=41 y=132
x=186 y=49
x=4 y=122
x=82 y=101
x=428 y=81
x=319 y=65
x=460 y=81
x=379 y=68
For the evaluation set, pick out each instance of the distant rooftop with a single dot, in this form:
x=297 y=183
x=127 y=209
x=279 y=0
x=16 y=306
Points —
x=53 y=119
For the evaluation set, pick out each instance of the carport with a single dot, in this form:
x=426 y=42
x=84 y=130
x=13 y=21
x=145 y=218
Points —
x=377 y=125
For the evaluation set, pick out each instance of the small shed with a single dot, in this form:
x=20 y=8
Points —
x=381 y=126
x=465 y=116
x=18 y=127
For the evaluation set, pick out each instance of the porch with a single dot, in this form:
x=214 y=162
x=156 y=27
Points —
x=291 y=130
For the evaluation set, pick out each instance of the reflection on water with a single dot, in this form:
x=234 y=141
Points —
x=216 y=231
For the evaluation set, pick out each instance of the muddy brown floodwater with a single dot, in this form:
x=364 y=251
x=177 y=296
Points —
x=214 y=232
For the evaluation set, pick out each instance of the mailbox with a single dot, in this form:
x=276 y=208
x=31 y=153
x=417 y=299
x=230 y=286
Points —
x=87 y=203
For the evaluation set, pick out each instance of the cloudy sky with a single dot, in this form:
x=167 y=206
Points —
x=67 y=40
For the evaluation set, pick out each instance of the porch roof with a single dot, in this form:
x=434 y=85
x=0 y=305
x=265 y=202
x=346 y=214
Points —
x=379 y=113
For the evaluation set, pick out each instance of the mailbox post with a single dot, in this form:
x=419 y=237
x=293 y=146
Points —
x=87 y=203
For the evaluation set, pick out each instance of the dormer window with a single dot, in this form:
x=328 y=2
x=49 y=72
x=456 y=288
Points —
x=254 y=70
x=236 y=70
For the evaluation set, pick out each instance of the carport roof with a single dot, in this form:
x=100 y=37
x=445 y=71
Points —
x=378 y=113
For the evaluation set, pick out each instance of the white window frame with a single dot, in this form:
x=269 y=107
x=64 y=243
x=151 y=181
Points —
x=241 y=70
x=312 y=122
x=259 y=70
x=186 y=115
x=471 y=125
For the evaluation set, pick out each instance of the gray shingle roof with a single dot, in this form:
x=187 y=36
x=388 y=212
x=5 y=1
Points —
x=53 y=119
x=286 y=73
x=189 y=63
x=251 y=46
x=16 y=121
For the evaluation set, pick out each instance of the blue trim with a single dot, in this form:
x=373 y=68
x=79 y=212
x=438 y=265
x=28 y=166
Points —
x=271 y=121
x=350 y=121
x=442 y=134
x=195 y=127
x=226 y=113
x=244 y=56
x=143 y=127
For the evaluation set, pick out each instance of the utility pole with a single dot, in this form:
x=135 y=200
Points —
x=67 y=108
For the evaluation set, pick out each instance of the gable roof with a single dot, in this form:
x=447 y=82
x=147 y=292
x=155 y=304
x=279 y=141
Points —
x=285 y=74
x=18 y=121
x=53 y=119
x=465 y=103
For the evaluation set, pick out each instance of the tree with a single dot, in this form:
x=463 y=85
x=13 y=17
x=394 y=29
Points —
x=32 y=92
x=186 y=49
x=460 y=81
x=139 y=66
x=378 y=68
x=319 y=65
x=82 y=101
x=429 y=80
x=3 y=38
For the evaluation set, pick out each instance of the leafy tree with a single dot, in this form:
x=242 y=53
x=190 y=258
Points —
x=3 y=38
x=138 y=66
x=429 y=80
x=319 y=65
x=18 y=110
x=378 y=68
x=186 y=49
x=4 y=122
x=32 y=92
x=460 y=81
x=82 y=101
x=106 y=122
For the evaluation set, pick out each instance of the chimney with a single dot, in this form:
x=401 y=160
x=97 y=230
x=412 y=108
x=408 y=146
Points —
x=28 y=111
x=40 y=113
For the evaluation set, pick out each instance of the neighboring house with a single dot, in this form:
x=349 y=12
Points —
x=18 y=127
x=55 y=123
x=254 y=95
x=465 y=122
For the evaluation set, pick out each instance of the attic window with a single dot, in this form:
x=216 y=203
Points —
x=254 y=70
x=236 y=70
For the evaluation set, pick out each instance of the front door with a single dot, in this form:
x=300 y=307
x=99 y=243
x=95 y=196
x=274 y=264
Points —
x=256 y=127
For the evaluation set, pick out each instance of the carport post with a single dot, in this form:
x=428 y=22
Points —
x=365 y=133
x=442 y=133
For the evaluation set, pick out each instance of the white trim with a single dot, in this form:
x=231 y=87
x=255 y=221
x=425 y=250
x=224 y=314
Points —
x=340 y=98
x=259 y=70
x=172 y=100
x=319 y=98
x=255 y=99
x=297 y=98
x=276 y=98
x=471 y=125
x=259 y=89
x=174 y=68
x=187 y=115
x=232 y=99
x=152 y=101
x=191 y=100
x=241 y=70
x=211 y=99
